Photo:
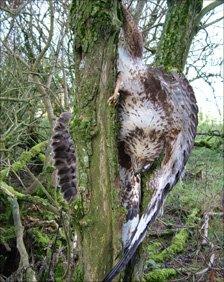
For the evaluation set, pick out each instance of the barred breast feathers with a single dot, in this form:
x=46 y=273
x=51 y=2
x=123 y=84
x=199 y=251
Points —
x=64 y=156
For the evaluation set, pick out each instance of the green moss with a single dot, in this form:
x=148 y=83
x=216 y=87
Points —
x=24 y=159
x=178 y=244
x=78 y=212
x=7 y=233
x=11 y=192
x=78 y=275
x=42 y=239
x=153 y=248
x=160 y=275
x=59 y=272
x=42 y=157
x=91 y=21
x=192 y=218
x=102 y=23
x=93 y=127
x=157 y=257
x=177 y=35
x=5 y=208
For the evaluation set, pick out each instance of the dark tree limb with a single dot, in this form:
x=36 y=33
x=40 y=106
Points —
x=24 y=265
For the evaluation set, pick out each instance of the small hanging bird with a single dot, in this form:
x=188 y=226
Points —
x=158 y=115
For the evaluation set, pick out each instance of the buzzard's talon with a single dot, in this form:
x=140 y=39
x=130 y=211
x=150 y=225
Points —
x=113 y=100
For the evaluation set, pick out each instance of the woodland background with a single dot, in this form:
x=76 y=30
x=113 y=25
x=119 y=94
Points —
x=42 y=47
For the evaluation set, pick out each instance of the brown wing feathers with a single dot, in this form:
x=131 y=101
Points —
x=64 y=156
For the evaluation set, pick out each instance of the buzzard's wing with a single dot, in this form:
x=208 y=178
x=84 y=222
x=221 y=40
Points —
x=178 y=147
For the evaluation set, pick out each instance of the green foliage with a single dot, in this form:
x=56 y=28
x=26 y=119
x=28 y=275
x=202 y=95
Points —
x=202 y=186
x=211 y=141
x=59 y=272
x=7 y=233
x=178 y=244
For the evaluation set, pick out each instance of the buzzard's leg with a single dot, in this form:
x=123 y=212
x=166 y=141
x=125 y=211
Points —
x=131 y=199
x=114 y=98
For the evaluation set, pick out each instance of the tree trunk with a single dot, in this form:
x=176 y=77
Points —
x=96 y=26
x=179 y=29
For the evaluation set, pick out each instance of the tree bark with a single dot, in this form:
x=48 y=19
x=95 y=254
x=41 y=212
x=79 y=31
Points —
x=179 y=29
x=96 y=25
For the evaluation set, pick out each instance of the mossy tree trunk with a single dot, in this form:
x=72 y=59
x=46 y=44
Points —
x=180 y=27
x=96 y=27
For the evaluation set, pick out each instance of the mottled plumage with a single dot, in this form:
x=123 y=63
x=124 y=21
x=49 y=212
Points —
x=158 y=115
x=64 y=156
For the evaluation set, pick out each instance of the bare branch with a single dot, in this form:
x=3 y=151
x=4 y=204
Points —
x=24 y=258
x=35 y=179
x=49 y=36
x=24 y=159
x=211 y=23
x=15 y=55
x=207 y=9
x=46 y=100
x=13 y=12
